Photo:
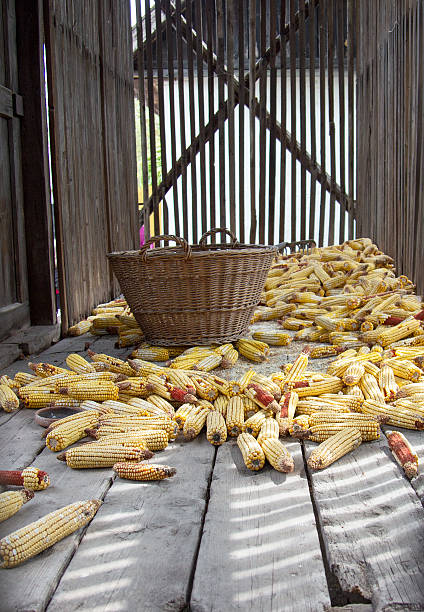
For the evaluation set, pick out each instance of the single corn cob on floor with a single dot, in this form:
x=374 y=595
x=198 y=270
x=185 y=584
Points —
x=334 y=448
x=12 y=501
x=144 y=471
x=32 y=539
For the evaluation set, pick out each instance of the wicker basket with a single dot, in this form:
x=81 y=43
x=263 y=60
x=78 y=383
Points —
x=193 y=295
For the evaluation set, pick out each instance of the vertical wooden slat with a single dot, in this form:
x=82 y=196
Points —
x=293 y=113
x=312 y=34
x=273 y=111
x=322 y=79
x=242 y=100
x=170 y=61
x=210 y=15
x=201 y=105
x=231 y=144
x=342 y=110
x=192 y=103
x=181 y=104
x=351 y=111
x=262 y=127
x=221 y=146
x=161 y=103
x=151 y=104
x=330 y=78
x=142 y=100
x=252 y=117
x=283 y=118
x=302 y=87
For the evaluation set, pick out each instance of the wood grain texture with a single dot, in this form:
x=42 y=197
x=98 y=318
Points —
x=372 y=525
x=138 y=553
x=260 y=548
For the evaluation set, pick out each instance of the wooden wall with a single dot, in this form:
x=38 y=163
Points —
x=91 y=100
x=390 y=122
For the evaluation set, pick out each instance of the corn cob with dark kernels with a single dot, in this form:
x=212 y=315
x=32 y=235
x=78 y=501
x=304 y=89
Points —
x=403 y=453
x=32 y=539
x=277 y=455
x=261 y=397
x=216 y=428
x=100 y=455
x=144 y=471
x=252 y=453
x=30 y=478
x=12 y=501
x=334 y=447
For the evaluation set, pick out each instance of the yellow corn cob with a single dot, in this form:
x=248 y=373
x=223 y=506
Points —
x=387 y=382
x=67 y=433
x=370 y=388
x=143 y=471
x=355 y=390
x=113 y=364
x=235 y=416
x=369 y=430
x=394 y=415
x=78 y=364
x=150 y=353
x=134 y=386
x=253 y=350
x=208 y=363
x=12 y=501
x=88 y=412
x=220 y=404
x=161 y=403
x=294 y=324
x=277 y=455
x=252 y=453
x=328 y=385
x=224 y=349
x=297 y=370
x=8 y=399
x=273 y=338
x=32 y=539
x=299 y=427
x=312 y=334
x=249 y=406
x=216 y=429
x=268 y=384
x=45 y=370
x=180 y=379
x=334 y=447
x=205 y=389
x=254 y=423
x=152 y=439
x=194 y=423
x=404 y=369
x=269 y=429
x=398 y=332
x=242 y=382
x=152 y=422
x=353 y=373
x=9 y=382
x=324 y=351
x=410 y=389
x=183 y=413
x=121 y=408
x=310 y=405
x=91 y=390
x=229 y=359
x=41 y=397
x=403 y=453
x=99 y=455
x=79 y=328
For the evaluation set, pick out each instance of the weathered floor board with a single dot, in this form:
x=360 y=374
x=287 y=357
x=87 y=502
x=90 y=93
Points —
x=138 y=552
x=260 y=548
x=373 y=527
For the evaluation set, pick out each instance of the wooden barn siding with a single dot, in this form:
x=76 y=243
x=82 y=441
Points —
x=91 y=104
x=390 y=155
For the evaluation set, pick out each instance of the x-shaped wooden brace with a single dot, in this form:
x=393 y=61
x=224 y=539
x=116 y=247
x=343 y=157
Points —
x=208 y=131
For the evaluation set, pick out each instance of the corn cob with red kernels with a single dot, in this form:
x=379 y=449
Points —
x=287 y=408
x=403 y=453
x=334 y=447
x=30 y=478
x=143 y=471
x=157 y=386
x=252 y=453
x=261 y=397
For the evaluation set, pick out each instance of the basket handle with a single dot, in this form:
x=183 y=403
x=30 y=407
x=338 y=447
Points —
x=183 y=243
x=218 y=230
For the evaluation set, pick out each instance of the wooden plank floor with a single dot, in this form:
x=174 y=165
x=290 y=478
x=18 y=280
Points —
x=216 y=536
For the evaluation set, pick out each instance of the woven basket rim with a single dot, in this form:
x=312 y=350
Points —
x=198 y=251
